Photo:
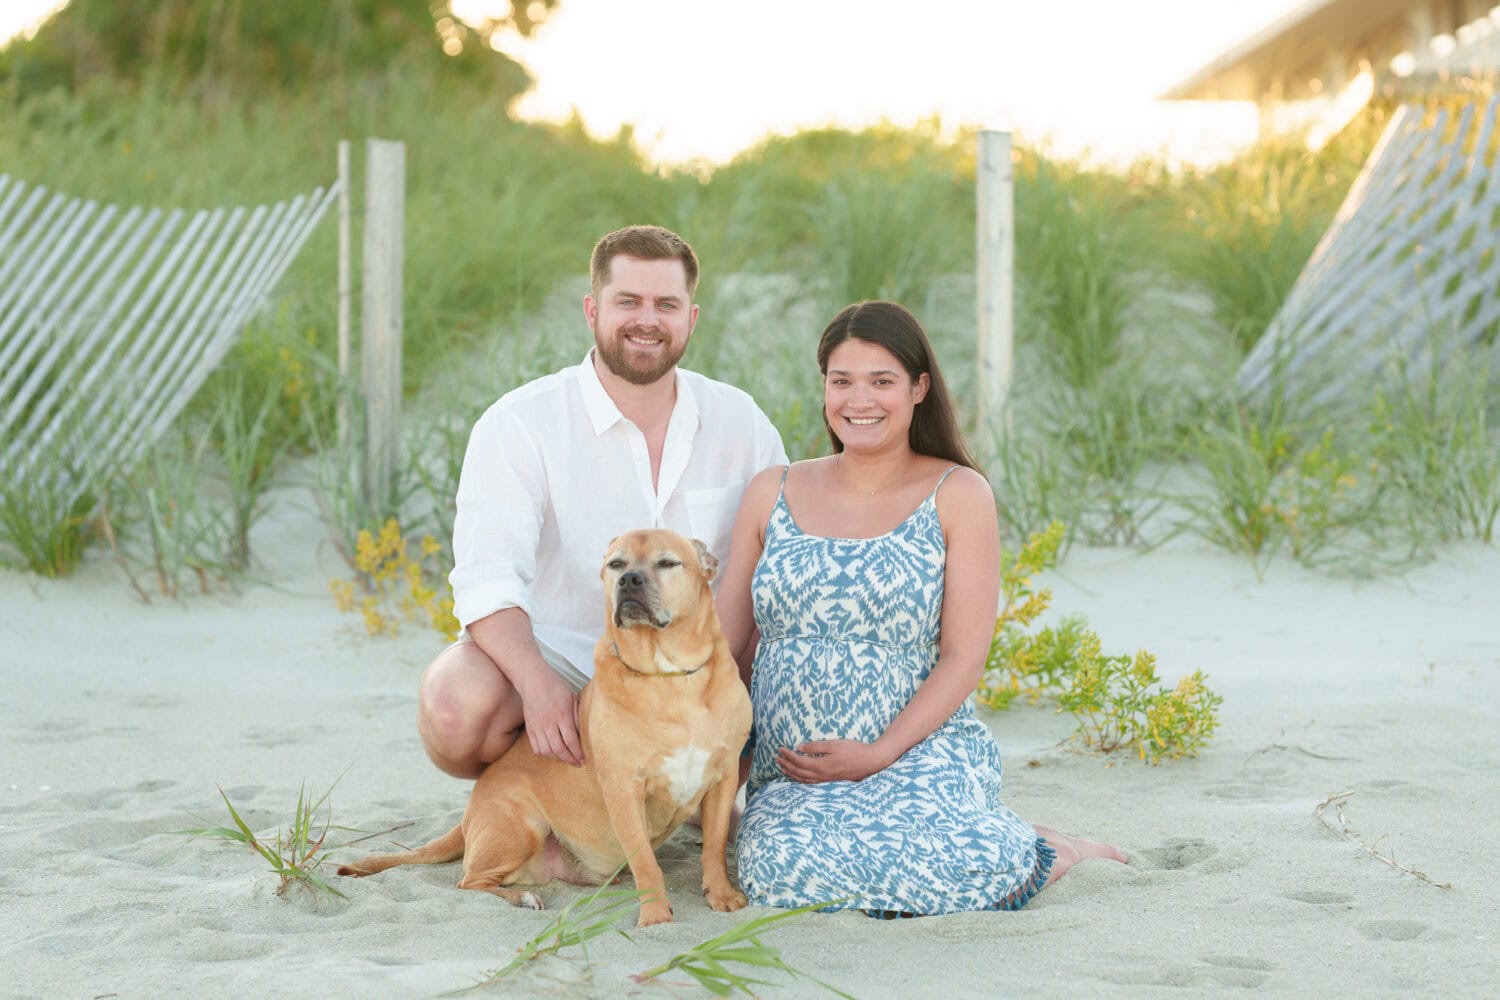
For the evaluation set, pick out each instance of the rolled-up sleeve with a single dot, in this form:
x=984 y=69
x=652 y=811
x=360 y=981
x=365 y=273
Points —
x=501 y=502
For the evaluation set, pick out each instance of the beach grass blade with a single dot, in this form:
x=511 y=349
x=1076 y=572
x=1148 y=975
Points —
x=295 y=856
x=741 y=944
x=575 y=925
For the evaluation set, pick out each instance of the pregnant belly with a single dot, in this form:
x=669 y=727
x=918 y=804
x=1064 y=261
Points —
x=806 y=689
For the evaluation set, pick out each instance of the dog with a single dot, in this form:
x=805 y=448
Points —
x=662 y=723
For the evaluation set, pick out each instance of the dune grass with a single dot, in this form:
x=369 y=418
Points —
x=1121 y=392
x=708 y=963
x=296 y=857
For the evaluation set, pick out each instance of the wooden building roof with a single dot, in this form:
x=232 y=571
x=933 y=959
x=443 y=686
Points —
x=1301 y=46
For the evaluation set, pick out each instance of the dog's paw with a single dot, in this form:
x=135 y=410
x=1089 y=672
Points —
x=351 y=870
x=528 y=900
x=725 y=900
x=655 y=913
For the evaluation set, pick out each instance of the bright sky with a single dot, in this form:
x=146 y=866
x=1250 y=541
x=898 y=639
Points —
x=707 y=78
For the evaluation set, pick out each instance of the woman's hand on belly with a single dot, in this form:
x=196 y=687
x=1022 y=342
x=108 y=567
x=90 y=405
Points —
x=832 y=760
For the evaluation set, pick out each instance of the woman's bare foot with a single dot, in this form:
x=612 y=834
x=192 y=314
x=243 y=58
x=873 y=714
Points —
x=1071 y=850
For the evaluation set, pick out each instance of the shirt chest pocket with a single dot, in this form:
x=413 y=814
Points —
x=711 y=516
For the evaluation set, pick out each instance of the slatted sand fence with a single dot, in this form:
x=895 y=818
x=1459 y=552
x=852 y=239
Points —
x=111 y=318
x=1407 y=271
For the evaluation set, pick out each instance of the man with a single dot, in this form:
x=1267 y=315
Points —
x=557 y=468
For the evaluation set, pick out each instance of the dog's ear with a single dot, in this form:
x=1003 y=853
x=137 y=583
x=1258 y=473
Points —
x=706 y=559
x=608 y=554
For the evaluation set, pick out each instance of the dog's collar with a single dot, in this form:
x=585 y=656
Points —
x=615 y=648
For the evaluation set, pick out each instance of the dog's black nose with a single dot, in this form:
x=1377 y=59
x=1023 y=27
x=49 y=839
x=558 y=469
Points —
x=632 y=580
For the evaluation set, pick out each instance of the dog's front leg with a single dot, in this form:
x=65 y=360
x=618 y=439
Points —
x=626 y=802
x=717 y=808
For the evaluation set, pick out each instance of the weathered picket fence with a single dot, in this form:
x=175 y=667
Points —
x=1407 y=272
x=110 y=318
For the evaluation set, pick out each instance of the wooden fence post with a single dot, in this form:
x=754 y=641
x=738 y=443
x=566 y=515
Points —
x=996 y=254
x=345 y=290
x=380 y=340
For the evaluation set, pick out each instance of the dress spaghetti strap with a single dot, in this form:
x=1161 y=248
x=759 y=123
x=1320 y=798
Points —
x=931 y=496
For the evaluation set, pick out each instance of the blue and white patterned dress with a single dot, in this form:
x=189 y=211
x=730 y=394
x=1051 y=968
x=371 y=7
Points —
x=848 y=631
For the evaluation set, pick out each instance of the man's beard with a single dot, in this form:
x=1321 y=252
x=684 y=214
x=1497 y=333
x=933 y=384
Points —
x=615 y=353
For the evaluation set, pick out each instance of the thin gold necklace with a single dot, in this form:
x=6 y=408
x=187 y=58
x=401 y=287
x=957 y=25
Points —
x=839 y=469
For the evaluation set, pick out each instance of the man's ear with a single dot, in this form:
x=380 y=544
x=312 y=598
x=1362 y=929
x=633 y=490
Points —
x=590 y=309
x=706 y=559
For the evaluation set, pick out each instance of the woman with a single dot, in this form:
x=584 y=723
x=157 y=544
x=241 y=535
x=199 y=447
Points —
x=865 y=584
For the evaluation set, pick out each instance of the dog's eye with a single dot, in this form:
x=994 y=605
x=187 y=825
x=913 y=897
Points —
x=615 y=564
x=667 y=563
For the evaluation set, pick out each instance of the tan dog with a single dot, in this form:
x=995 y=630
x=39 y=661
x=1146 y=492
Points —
x=662 y=722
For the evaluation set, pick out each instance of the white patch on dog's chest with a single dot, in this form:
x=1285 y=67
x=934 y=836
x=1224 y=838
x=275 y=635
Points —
x=684 y=772
x=669 y=666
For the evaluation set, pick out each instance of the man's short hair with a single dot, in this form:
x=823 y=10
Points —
x=642 y=243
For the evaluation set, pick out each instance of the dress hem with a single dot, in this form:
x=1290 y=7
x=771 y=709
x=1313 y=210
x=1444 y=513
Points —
x=1045 y=856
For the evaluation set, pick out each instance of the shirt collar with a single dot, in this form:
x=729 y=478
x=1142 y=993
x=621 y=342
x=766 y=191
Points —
x=604 y=414
x=602 y=411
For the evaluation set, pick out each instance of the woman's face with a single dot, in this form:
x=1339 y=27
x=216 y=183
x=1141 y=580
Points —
x=868 y=397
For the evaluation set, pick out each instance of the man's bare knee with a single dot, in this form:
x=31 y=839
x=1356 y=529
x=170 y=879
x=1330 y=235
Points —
x=467 y=712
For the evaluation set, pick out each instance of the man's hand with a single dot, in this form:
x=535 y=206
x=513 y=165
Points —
x=831 y=760
x=550 y=708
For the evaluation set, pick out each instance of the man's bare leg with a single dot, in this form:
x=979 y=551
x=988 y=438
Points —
x=1071 y=850
x=468 y=713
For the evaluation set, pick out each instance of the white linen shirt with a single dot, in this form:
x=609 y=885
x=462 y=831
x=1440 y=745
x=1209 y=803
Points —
x=554 y=472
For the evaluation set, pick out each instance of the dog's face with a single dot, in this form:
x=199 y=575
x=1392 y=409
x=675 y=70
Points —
x=651 y=577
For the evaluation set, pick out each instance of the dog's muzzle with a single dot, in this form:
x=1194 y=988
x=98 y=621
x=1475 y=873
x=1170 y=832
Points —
x=636 y=603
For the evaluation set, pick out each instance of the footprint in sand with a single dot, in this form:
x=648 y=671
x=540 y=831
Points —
x=1240 y=793
x=1392 y=930
x=1395 y=788
x=1240 y=971
x=291 y=736
x=55 y=731
x=154 y=701
x=1177 y=853
x=1237 y=970
x=1319 y=898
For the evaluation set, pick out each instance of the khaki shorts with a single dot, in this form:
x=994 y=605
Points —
x=560 y=666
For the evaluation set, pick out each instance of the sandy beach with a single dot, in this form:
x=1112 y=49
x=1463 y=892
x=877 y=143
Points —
x=119 y=718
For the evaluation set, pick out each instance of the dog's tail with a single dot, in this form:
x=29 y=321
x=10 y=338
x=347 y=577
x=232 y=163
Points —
x=448 y=847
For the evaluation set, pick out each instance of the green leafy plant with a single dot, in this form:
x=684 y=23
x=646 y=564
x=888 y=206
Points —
x=295 y=857
x=708 y=962
x=392 y=582
x=1115 y=700
x=1015 y=666
x=1119 y=706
